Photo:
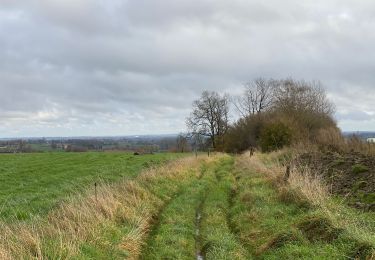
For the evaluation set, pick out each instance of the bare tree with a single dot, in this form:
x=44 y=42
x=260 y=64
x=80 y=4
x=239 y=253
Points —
x=291 y=95
x=257 y=97
x=197 y=141
x=181 y=143
x=209 y=116
x=305 y=105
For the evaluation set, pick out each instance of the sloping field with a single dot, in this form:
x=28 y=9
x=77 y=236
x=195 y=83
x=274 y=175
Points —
x=218 y=207
x=32 y=184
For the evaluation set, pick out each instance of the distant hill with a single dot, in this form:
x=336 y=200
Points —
x=150 y=143
x=362 y=134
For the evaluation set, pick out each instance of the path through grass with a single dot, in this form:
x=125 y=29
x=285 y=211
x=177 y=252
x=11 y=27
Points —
x=195 y=224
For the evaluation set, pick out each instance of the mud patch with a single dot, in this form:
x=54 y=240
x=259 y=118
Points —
x=350 y=175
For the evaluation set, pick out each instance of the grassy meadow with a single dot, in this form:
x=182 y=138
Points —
x=33 y=183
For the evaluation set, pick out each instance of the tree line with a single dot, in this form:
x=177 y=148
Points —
x=273 y=113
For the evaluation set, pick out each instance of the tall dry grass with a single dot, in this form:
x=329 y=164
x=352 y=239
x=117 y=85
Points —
x=131 y=203
x=332 y=139
x=309 y=186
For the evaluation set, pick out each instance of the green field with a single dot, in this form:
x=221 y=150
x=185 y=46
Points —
x=217 y=207
x=32 y=184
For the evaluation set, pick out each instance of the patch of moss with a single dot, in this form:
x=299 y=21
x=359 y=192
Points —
x=359 y=168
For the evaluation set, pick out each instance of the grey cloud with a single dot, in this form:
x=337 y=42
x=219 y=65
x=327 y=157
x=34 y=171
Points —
x=354 y=116
x=77 y=67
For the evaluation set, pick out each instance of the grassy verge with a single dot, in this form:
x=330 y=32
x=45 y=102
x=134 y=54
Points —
x=297 y=219
x=33 y=184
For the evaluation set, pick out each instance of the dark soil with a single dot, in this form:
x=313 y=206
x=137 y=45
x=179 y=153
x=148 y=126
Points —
x=351 y=175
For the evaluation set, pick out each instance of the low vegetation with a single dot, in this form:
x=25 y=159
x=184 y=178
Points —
x=350 y=233
x=195 y=223
x=217 y=239
x=32 y=184
x=217 y=207
x=111 y=223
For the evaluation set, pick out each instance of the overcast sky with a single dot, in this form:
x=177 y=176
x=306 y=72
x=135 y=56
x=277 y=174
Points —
x=111 y=67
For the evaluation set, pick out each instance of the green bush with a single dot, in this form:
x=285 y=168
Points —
x=243 y=134
x=359 y=168
x=275 y=136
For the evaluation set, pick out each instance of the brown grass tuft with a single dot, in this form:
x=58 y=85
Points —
x=291 y=196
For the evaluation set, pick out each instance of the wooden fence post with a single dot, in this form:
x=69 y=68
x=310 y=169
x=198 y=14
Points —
x=287 y=173
x=96 y=193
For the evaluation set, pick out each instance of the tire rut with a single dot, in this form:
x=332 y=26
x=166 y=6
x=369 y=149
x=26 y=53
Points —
x=186 y=195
